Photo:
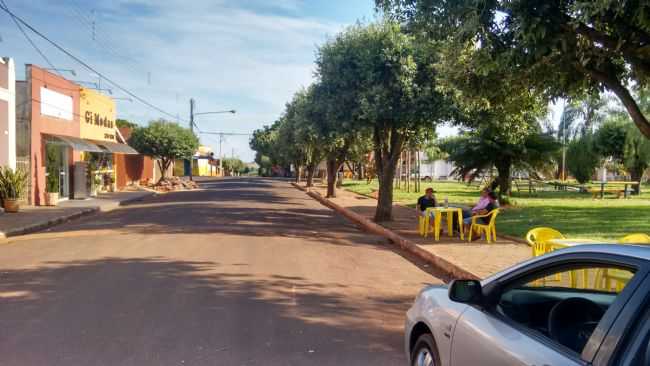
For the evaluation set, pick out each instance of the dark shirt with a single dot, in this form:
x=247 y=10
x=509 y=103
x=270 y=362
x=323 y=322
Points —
x=490 y=206
x=425 y=202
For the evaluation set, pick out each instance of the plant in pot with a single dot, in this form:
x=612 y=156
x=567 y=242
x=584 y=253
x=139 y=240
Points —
x=96 y=184
x=52 y=187
x=12 y=187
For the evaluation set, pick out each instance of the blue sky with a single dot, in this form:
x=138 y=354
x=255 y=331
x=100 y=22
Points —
x=248 y=55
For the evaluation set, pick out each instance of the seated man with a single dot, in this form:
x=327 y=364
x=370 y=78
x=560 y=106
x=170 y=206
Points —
x=426 y=201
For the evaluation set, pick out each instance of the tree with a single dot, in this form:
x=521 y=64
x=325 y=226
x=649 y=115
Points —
x=120 y=123
x=492 y=104
x=165 y=141
x=563 y=47
x=379 y=78
x=582 y=158
x=476 y=152
x=264 y=142
x=233 y=165
x=619 y=140
x=636 y=152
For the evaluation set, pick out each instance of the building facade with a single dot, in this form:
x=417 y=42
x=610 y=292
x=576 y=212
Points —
x=65 y=136
x=7 y=113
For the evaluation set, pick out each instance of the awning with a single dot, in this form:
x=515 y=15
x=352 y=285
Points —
x=75 y=143
x=116 y=148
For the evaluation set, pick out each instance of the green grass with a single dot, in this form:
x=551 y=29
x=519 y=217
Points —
x=574 y=214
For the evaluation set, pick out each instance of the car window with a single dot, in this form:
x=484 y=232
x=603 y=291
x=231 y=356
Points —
x=564 y=305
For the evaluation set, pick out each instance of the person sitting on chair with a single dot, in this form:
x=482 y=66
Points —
x=491 y=205
x=426 y=201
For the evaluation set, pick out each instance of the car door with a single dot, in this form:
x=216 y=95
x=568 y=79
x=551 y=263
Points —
x=510 y=332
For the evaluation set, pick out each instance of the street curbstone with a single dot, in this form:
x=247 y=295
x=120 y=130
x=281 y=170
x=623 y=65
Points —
x=445 y=270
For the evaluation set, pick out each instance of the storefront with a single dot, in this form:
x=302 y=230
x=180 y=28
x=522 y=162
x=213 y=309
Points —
x=98 y=126
x=65 y=135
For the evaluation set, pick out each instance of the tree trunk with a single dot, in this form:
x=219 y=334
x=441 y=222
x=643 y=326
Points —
x=636 y=175
x=163 y=164
x=388 y=147
x=310 y=175
x=331 y=178
x=298 y=173
x=503 y=167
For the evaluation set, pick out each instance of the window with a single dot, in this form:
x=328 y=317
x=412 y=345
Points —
x=564 y=305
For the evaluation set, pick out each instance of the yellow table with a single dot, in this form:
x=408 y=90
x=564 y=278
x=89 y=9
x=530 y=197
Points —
x=438 y=211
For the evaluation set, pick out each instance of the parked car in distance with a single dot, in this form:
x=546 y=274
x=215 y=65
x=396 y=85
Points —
x=585 y=305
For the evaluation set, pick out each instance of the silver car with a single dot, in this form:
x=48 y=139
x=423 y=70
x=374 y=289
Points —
x=586 y=305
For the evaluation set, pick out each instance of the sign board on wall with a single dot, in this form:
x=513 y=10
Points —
x=56 y=105
x=97 y=116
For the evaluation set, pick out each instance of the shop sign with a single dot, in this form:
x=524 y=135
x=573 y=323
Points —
x=55 y=104
x=102 y=121
x=98 y=116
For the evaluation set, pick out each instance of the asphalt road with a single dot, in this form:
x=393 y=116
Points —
x=244 y=272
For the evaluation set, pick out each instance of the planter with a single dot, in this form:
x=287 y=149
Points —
x=51 y=198
x=11 y=205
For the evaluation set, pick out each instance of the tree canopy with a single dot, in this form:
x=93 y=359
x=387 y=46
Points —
x=564 y=47
x=165 y=141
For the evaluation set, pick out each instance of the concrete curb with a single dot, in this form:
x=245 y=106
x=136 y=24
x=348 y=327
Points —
x=47 y=224
x=446 y=270
x=28 y=229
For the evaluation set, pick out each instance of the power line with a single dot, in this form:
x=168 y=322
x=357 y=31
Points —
x=47 y=60
x=84 y=64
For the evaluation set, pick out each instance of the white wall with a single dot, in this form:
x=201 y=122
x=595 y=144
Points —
x=8 y=129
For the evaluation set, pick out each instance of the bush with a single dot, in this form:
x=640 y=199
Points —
x=582 y=159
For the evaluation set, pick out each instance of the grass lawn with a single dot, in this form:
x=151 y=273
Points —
x=574 y=214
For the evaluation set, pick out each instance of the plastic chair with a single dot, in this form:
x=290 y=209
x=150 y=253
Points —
x=489 y=229
x=538 y=237
x=637 y=238
x=422 y=228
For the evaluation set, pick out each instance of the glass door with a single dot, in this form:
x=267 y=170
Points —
x=57 y=164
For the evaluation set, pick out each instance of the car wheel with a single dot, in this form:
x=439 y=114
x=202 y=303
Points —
x=425 y=353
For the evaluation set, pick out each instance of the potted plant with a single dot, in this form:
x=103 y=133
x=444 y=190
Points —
x=96 y=184
x=111 y=187
x=52 y=187
x=12 y=187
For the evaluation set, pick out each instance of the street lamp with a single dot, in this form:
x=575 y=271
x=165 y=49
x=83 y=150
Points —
x=192 y=124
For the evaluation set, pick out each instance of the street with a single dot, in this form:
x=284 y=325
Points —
x=246 y=271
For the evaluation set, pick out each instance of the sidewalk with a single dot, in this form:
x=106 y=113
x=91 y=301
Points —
x=34 y=218
x=478 y=257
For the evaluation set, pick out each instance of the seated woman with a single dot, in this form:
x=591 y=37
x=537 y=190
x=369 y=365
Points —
x=491 y=205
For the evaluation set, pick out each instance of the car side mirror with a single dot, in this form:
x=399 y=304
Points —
x=466 y=292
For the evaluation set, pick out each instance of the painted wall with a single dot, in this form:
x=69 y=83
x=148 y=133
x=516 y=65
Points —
x=97 y=116
x=59 y=93
x=133 y=169
x=7 y=113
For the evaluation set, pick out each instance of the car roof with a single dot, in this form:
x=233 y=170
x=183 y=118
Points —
x=640 y=251
x=629 y=250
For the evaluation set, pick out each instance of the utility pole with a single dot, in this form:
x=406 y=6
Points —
x=192 y=130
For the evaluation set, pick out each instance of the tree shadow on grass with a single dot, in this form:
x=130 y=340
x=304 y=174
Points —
x=117 y=311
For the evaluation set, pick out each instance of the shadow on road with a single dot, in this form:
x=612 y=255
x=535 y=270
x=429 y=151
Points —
x=179 y=312
x=245 y=207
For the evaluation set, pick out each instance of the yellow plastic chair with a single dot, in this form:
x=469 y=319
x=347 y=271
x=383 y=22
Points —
x=538 y=237
x=637 y=238
x=489 y=229
x=422 y=225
